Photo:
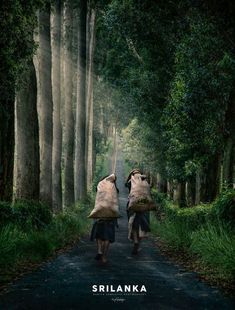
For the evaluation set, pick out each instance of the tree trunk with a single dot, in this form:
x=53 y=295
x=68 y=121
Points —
x=191 y=191
x=114 y=155
x=62 y=65
x=80 y=136
x=170 y=189
x=69 y=116
x=208 y=181
x=90 y=103
x=56 y=93
x=228 y=162
x=180 y=194
x=229 y=154
x=161 y=184
x=45 y=107
x=6 y=148
x=213 y=179
x=27 y=138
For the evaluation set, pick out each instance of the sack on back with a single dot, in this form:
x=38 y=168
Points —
x=140 y=199
x=106 y=203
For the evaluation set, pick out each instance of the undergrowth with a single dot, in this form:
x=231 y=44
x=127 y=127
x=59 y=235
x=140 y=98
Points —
x=206 y=230
x=22 y=244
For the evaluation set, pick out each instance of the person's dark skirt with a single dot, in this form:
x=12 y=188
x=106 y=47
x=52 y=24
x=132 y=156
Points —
x=104 y=230
x=142 y=220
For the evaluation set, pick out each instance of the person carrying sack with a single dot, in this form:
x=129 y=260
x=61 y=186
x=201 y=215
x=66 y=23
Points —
x=138 y=222
x=105 y=214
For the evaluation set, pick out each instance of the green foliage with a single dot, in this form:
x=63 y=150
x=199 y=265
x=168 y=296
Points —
x=139 y=146
x=20 y=244
x=193 y=120
x=102 y=167
x=215 y=246
x=17 y=22
x=11 y=238
x=202 y=230
x=25 y=214
x=177 y=76
x=174 y=233
x=192 y=217
x=224 y=207
x=179 y=223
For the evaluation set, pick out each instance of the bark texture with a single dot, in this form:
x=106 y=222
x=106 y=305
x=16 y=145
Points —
x=56 y=95
x=69 y=115
x=6 y=148
x=90 y=101
x=80 y=139
x=45 y=107
x=27 y=138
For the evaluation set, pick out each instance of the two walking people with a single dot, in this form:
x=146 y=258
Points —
x=103 y=230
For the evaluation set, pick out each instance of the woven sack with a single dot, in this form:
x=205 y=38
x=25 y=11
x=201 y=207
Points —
x=106 y=203
x=140 y=199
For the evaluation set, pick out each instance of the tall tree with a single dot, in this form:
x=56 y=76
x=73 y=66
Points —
x=80 y=132
x=6 y=147
x=90 y=100
x=27 y=137
x=17 y=23
x=45 y=106
x=56 y=94
x=69 y=115
x=229 y=152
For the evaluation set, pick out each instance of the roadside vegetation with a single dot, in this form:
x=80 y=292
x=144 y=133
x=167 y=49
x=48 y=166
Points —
x=205 y=233
x=30 y=234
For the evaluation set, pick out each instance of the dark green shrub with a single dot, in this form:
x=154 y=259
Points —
x=25 y=214
x=37 y=245
x=215 y=245
x=6 y=215
x=224 y=206
x=34 y=213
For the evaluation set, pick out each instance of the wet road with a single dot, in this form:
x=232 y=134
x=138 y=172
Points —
x=66 y=282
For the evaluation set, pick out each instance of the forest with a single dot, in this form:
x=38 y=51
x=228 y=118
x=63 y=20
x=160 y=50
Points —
x=80 y=79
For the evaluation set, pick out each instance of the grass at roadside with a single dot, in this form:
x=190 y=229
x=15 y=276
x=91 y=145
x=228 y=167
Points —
x=204 y=232
x=36 y=241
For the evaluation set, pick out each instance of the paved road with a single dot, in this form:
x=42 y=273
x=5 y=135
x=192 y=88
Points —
x=66 y=282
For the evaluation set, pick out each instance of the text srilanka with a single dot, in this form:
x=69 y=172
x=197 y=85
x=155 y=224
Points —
x=118 y=289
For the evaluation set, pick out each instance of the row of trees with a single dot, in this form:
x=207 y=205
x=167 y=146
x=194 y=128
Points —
x=47 y=100
x=163 y=70
x=174 y=64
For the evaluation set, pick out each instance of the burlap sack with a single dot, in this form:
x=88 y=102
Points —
x=106 y=203
x=140 y=199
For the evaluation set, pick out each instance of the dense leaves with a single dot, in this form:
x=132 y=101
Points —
x=175 y=64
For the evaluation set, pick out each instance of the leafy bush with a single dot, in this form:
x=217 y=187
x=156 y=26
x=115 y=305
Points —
x=172 y=232
x=36 y=246
x=25 y=214
x=10 y=240
x=204 y=230
x=224 y=206
x=27 y=244
x=215 y=246
x=191 y=217
x=6 y=215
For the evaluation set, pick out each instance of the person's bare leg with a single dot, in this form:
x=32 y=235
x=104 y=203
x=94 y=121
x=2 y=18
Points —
x=135 y=236
x=99 y=246
x=136 y=242
x=99 y=249
x=105 y=251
